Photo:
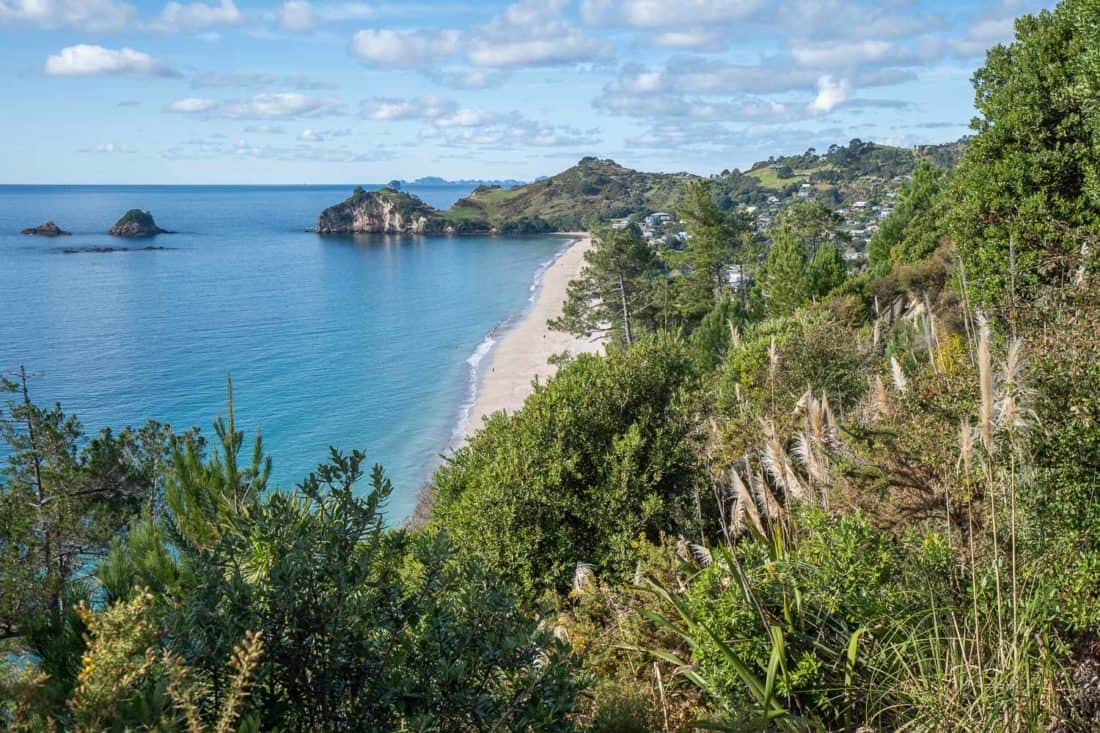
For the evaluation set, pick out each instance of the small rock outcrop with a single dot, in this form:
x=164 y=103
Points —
x=49 y=229
x=136 y=223
x=386 y=211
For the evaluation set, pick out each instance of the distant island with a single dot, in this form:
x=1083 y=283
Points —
x=399 y=183
x=135 y=224
x=47 y=229
x=592 y=191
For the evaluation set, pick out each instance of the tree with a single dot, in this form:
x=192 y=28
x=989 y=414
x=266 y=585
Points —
x=716 y=240
x=813 y=224
x=785 y=282
x=1024 y=197
x=826 y=270
x=600 y=455
x=362 y=627
x=62 y=498
x=618 y=291
x=912 y=230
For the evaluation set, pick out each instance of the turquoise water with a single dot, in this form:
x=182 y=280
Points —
x=365 y=343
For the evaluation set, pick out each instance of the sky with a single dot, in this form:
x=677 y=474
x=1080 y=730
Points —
x=339 y=91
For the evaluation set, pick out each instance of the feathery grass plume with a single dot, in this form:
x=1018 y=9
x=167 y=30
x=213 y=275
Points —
x=1014 y=413
x=901 y=384
x=985 y=383
x=765 y=499
x=735 y=334
x=582 y=576
x=816 y=468
x=246 y=659
x=779 y=466
x=702 y=555
x=682 y=550
x=831 y=429
x=966 y=445
x=737 y=526
x=773 y=361
x=745 y=502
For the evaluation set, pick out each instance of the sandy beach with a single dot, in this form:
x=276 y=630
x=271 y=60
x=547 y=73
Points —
x=522 y=352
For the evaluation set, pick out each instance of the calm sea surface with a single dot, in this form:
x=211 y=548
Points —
x=367 y=343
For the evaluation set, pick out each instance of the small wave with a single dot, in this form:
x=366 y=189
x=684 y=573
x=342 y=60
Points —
x=476 y=360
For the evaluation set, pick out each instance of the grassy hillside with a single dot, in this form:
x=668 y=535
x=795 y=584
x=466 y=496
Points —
x=840 y=175
x=593 y=190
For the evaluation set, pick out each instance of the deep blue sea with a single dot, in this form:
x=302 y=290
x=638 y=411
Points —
x=367 y=342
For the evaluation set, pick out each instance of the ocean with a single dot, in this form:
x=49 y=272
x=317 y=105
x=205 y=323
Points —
x=369 y=343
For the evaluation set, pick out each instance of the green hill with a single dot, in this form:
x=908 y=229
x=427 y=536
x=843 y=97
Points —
x=593 y=190
x=840 y=175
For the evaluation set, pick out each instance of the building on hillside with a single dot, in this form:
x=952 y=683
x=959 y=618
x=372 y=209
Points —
x=657 y=218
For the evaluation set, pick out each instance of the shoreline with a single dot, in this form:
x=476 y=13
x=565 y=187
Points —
x=508 y=366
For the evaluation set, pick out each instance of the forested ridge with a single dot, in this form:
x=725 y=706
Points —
x=794 y=495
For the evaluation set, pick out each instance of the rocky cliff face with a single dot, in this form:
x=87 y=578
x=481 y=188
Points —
x=386 y=211
x=136 y=223
x=49 y=229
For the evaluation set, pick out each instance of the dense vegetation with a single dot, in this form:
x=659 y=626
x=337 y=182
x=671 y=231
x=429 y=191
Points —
x=840 y=175
x=809 y=499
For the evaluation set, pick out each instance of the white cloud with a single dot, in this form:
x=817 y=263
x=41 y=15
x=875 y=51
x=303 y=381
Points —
x=526 y=34
x=296 y=16
x=831 y=93
x=309 y=135
x=89 y=60
x=109 y=148
x=476 y=79
x=192 y=105
x=87 y=15
x=388 y=109
x=406 y=49
x=569 y=47
x=196 y=16
x=280 y=106
x=693 y=39
x=666 y=13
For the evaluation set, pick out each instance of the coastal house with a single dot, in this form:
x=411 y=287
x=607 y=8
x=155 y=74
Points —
x=657 y=218
x=860 y=205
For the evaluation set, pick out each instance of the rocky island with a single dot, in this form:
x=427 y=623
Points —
x=48 y=229
x=135 y=224
x=592 y=192
x=385 y=211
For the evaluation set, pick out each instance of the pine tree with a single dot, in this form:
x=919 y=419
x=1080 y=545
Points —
x=785 y=281
x=618 y=289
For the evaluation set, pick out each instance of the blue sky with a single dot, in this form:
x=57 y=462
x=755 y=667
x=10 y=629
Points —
x=325 y=91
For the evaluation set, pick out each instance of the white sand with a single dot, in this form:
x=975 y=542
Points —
x=522 y=353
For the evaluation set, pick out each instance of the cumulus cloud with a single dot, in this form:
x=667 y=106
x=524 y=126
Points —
x=296 y=16
x=475 y=79
x=89 y=60
x=666 y=13
x=280 y=105
x=310 y=135
x=528 y=33
x=388 y=109
x=406 y=49
x=249 y=79
x=194 y=16
x=283 y=105
x=831 y=93
x=192 y=105
x=87 y=15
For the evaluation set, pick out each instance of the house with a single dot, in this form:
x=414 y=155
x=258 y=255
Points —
x=859 y=205
x=657 y=218
x=620 y=223
x=773 y=201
